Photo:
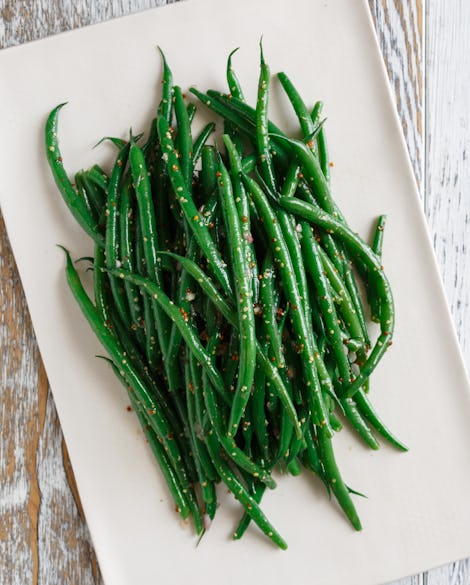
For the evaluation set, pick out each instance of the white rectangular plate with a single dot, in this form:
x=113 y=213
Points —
x=418 y=511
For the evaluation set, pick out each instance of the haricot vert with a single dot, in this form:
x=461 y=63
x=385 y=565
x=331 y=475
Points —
x=226 y=295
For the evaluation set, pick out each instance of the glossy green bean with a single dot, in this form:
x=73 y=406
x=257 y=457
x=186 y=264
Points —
x=197 y=446
x=82 y=192
x=243 y=210
x=377 y=248
x=243 y=300
x=333 y=332
x=147 y=222
x=112 y=240
x=357 y=248
x=189 y=209
x=152 y=348
x=201 y=140
x=302 y=330
x=232 y=79
x=248 y=114
x=305 y=120
x=70 y=196
x=184 y=141
x=263 y=141
x=258 y=411
x=246 y=518
x=367 y=411
x=345 y=305
x=233 y=451
x=208 y=170
x=127 y=259
x=334 y=479
x=166 y=103
x=242 y=495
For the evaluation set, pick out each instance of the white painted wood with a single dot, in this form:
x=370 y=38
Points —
x=399 y=28
x=444 y=174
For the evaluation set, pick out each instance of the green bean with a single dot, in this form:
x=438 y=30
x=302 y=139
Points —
x=208 y=170
x=233 y=451
x=230 y=363
x=311 y=457
x=147 y=225
x=201 y=140
x=240 y=492
x=197 y=446
x=243 y=298
x=150 y=380
x=186 y=283
x=258 y=410
x=82 y=192
x=316 y=112
x=127 y=259
x=165 y=106
x=323 y=155
x=183 y=299
x=152 y=349
x=334 y=479
x=191 y=110
x=356 y=418
x=99 y=286
x=333 y=333
x=353 y=290
x=319 y=185
x=112 y=233
x=70 y=196
x=97 y=176
x=297 y=316
x=243 y=210
x=313 y=174
x=269 y=312
x=306 y=123
x=96 y=195
x=345 y=304
x=377 y=248
x=185 y=200
x=263 y=142
x=184 y=138
x=365 y=408
x=246 y=518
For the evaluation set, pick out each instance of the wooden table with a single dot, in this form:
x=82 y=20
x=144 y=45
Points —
x=43 y=534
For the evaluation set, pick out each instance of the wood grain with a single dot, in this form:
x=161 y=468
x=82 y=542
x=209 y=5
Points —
x=436 y=131
x=43 y=535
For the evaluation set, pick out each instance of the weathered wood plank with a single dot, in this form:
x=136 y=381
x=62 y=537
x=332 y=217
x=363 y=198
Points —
x=400 y=28
x=42 y=535
x=448 y=171
x=20 y=424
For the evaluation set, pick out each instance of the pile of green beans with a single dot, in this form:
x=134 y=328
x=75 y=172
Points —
x=226 y=296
